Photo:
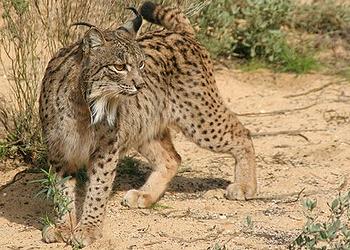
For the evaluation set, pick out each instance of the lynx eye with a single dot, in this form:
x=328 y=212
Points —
x=118 y=67
x=142 y=65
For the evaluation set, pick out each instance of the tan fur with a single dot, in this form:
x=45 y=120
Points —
x=92 y=116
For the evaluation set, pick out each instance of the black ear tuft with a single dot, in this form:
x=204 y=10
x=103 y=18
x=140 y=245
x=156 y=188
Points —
x=137 y=22
x=131 y=27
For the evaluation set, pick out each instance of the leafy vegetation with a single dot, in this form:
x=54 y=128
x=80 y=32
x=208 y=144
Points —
x=330 y=233
x=294 y=61
x=327 y=16
x=250 y=29
x=256 y=30
x=218 y=246
x=50 y=190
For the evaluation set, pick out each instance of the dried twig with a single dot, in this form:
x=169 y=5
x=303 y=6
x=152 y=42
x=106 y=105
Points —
x=297 y=198
x=288 y=132
x=281 y=198
x=211 y=236
x=285 y=198
x=315 y=89
x=276 y=112
x=343 y=184
x=153 y=243
x=16 y=178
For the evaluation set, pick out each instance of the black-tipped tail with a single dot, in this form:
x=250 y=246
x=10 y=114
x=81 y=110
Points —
x=147 y=11
x=168 y=17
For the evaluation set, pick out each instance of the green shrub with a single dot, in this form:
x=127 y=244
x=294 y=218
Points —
x=294 y=61
x=49 y=189
x=247 y=29
x=216 y=23
x=331 y=233
x=327 y=16
x=251 y=29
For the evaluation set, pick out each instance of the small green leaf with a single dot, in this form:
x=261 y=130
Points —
x=335 y=204
x=313 y=228
x=249 y=221
x=309 y=204
x=323 y=235
x=300 y=240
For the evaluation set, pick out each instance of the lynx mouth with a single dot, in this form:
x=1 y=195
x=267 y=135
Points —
x=130 y=91
x=111 y=89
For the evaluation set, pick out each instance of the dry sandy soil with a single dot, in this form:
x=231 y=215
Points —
x=193 y=214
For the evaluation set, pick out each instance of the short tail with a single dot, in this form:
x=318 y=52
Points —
x=168 y=17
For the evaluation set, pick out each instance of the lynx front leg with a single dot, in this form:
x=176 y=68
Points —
x=166 y=160
x=101 y=175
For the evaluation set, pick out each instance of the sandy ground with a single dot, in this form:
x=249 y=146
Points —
x=193 y=214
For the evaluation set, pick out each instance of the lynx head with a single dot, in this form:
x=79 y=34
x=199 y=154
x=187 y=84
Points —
x=112 y=67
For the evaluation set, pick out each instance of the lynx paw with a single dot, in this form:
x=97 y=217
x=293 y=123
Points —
x=84 y=236
x=52 y=234
x=240 y=191
x=137 y=199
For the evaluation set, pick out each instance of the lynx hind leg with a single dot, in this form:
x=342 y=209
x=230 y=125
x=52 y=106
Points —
x=65 y=223
x=162 y=154
x=218 y=129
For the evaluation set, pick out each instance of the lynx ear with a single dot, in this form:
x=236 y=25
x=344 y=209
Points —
x=132 y=27
x=93 y=39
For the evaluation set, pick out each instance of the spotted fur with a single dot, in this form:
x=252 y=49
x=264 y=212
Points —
x=92 y=115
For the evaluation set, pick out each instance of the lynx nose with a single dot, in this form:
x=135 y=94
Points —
x=139 y=84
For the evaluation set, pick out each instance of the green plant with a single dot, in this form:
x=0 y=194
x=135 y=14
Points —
x=294 y=61
x=217 y=246
x=249 y=222
x=3 y=149
x=248 y=29
x=215 y=26
x=46 y=221
x=326 y=16
x=331 y=233
x=262 y=36
x=49 y=189
x=252 y=30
